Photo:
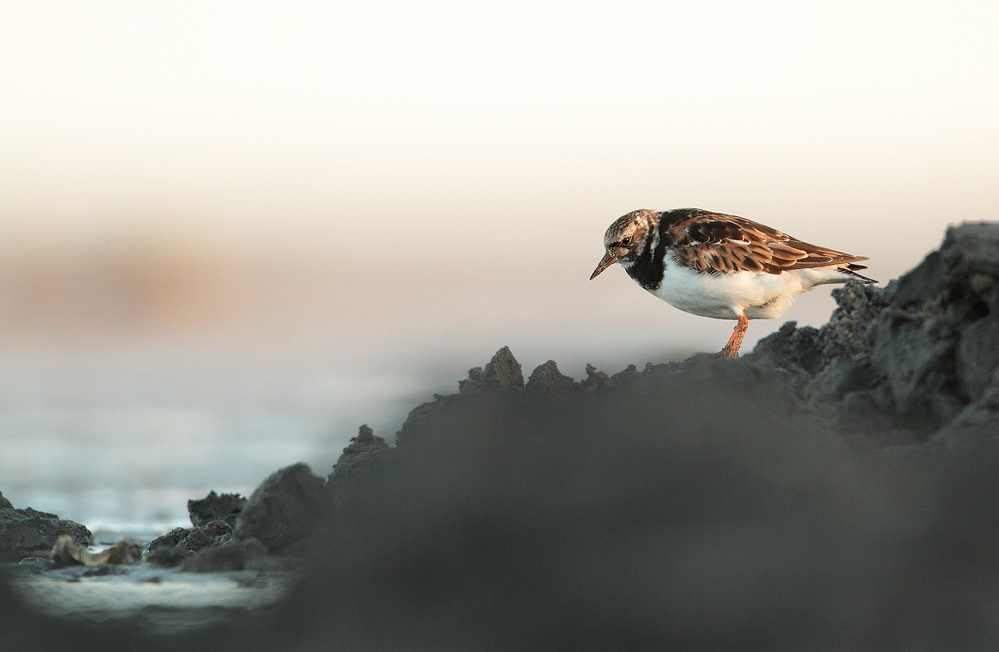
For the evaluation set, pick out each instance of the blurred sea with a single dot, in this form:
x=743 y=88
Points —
x=121 y=446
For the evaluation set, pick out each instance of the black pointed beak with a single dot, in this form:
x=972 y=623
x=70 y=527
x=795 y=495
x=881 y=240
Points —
x=605 y=262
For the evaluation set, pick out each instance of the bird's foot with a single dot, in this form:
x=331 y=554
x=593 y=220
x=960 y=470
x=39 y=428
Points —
x=731 y=349
x=728 y=352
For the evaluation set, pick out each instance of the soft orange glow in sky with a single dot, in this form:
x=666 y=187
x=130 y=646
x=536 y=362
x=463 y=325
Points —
x=437 y=141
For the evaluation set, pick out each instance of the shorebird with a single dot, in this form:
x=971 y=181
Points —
x=721 y=266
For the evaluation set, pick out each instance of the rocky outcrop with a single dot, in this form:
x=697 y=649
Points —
x=178 y=545
x=283 y=510
x=915 y=360
x=30 y=533
x=547 y=377
x=502 y=372
x=213 y=518
x=356 y=460
x=215 y=507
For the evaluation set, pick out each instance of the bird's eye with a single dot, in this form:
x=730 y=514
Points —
x=626 y=241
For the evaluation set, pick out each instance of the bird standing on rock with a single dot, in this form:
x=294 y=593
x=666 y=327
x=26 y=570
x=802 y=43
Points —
x=721 y=266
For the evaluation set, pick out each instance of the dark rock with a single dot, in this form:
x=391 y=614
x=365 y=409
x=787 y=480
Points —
x=595 y=380
x=169 y=550
x=547 y=377
x=474 y=383
x=846 y=335
x=357 y=459
x=214 y=507
x=502 y=372
x=4 y=503
x=30 y=533
x=167 y=556
x=283 y=509
x=913 y=357
x=608 y=520
x=938 y=339
x=977 y=426
x=197 y=540
x=177 y=545
x=793 y=348
x=233 y=556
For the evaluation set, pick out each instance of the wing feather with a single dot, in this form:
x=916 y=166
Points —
x=718 y=243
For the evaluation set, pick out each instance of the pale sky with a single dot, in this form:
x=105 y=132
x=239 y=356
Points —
x=494 y=136
x=315 y=114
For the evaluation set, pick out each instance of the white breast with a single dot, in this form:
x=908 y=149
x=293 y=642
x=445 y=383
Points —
x=757 y=295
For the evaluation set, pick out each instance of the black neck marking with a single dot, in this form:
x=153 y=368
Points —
x=650 y=264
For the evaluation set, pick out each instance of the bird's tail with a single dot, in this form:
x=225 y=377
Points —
x=852 y=268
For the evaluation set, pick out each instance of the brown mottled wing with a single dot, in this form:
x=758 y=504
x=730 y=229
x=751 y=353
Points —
x=714 y=243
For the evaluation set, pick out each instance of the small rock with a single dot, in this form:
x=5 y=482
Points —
x=214 y=507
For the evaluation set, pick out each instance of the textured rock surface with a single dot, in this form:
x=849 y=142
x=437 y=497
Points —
x=283 y=510
x=358 y=454
x=29 y=533
x=547 y=377
x=214 y=507
x=179 y=544
x=356 y=460
x=938 y=340
x=502 y=372
x=914 y=360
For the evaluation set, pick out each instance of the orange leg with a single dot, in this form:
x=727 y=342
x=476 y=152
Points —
x=731 y=349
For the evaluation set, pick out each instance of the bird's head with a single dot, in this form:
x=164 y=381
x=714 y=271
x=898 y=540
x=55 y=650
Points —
x=626 y=237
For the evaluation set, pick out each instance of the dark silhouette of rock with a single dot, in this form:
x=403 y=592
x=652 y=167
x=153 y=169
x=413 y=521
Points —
x=283 y=510
x=214 y=507
x=245 y=554
x=4 y=503
x=30 y=533
x=502 y=372
x=357 y=459
x=179 y=544
x=547 y=377
x=595 y=380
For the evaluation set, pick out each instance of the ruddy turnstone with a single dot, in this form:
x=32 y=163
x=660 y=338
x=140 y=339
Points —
x=721 y=266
